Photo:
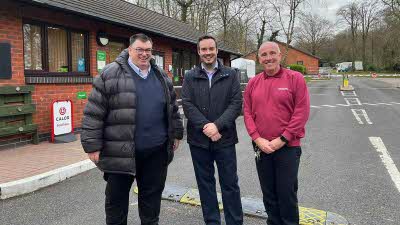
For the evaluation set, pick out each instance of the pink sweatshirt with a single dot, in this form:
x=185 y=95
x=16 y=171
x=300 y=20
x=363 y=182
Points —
x=277 y=105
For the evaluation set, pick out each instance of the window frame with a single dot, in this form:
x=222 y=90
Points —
x=161 y=54
x=118 y=39
x=45 y=53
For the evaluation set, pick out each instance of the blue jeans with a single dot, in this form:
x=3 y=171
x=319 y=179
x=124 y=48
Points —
x=203 y=163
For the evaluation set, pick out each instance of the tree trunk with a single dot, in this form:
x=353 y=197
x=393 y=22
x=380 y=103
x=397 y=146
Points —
x=261 y=36
x=184 y=10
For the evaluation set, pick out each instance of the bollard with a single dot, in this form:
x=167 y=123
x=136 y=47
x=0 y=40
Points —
x=345 y=84
x=345 y=80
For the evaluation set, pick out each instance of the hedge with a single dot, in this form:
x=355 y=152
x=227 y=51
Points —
x=299 y=68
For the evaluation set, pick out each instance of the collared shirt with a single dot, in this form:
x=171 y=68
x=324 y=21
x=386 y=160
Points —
x=210 y=74
x=138 y=70
x=276 y=75
x=277 y=105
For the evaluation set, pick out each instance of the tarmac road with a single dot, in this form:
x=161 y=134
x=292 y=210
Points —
x=340 y=169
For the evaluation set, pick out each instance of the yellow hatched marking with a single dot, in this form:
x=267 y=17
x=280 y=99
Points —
x=310 y=216
x=192 y=197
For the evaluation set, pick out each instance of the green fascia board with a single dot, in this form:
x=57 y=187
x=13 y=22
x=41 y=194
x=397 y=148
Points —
x=6 y=90
x=18 y=130
x=13 y=110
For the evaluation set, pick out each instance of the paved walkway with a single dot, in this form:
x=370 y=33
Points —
x=31 y=167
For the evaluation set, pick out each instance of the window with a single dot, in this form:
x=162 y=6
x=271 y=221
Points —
x=50 y=49
x=159 y=58
x=115 y=48
x=299 y=62
x=57 y=46
x=32 y=47
x=78 y=52
x=183 y=61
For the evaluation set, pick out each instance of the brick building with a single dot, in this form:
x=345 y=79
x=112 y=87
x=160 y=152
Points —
x=56 y=46
x=295 y=56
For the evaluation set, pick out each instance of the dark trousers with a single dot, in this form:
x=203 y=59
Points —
x=203 y=163
x=278 y=178
x=151 y=173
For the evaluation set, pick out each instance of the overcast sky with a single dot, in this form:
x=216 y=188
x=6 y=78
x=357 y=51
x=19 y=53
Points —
x=328 y=8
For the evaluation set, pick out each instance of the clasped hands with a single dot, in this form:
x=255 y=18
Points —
x=269 y=146
x=211 y=131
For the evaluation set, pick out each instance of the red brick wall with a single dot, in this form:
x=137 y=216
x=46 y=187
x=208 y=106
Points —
x=11 y=32
x=12 y=15
x=311 y=63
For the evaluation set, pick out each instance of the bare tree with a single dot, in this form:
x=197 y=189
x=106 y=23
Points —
x=165 y=7
x=394 y=6
x=287 y=14
x=184 y=5
x=228 y=10
x=202 y=14
x=314 y=32
x=266 y=19
x=368 y=15
x=349 y=14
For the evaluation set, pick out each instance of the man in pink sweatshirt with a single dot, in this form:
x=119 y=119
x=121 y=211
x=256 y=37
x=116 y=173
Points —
x=276 y=109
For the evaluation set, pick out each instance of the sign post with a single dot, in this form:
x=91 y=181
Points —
x=62 y=127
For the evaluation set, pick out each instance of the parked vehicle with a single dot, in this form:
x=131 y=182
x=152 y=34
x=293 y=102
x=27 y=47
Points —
x=347 y=66
x=245 y=65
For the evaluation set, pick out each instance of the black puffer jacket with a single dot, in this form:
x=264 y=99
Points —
x=108 y=124
x=221 y=104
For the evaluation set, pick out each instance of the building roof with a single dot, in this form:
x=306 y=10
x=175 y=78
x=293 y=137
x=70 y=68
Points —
x=124 y=13
x=296 y=49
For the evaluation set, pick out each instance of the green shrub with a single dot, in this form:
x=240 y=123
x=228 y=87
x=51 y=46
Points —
x=299 y=68
x=371 y=67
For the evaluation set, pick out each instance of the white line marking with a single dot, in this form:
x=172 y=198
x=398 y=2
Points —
x=387 y=160
x=322 y=88
x=342 y=105
x=361 y=112
x=369 y=104
x=352 y=101
x=356 y=116
x=347 y=93
x=384 y=103
x=314 y=106
x=330 y=106
x=395 y=103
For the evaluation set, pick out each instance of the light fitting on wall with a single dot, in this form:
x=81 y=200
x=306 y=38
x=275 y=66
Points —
x=102 y=38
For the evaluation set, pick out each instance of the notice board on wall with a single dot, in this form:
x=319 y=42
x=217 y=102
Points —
x=5 y=61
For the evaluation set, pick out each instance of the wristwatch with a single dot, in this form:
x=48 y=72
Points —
x=284 y=139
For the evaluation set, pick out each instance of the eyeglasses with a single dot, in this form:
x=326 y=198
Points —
x=141 y=50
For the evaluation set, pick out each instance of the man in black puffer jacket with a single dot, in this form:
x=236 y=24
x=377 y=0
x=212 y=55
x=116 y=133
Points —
x=130 y=129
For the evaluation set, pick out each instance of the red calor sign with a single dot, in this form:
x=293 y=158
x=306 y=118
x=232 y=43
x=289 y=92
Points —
x=61 y=118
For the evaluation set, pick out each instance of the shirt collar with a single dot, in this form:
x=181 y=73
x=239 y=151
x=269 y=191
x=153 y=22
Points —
x=277 y=75
x=138 y=70
x=215 y=66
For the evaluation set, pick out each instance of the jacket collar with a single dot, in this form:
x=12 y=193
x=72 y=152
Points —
x=219 y=73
